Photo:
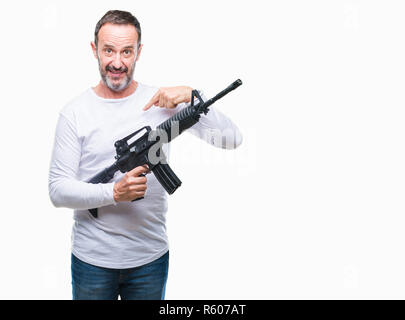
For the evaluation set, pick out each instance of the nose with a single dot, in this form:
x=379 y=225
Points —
x=117 y=63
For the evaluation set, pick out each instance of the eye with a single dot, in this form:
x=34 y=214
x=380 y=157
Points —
x=127 y=52
x=108 y=50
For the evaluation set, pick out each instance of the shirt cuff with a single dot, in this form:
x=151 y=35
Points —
x=108 y=193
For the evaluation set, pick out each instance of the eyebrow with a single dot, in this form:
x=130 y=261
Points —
x=111 y=46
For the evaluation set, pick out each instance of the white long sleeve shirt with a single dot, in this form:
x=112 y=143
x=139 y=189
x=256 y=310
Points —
x=125 y=234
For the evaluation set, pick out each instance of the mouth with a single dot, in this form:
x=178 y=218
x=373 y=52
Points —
x=115 y=74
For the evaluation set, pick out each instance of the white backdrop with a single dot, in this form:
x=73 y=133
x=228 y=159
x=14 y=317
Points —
x=310 y=206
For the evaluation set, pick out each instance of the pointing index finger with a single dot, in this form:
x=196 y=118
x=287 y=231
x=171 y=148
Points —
x=152 y=101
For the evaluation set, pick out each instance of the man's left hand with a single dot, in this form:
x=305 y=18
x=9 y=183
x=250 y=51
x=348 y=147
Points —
x=170 y=97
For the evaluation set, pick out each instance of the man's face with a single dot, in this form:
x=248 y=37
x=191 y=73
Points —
x=117 y=52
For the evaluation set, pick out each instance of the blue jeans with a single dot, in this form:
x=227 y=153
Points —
x=147 y=282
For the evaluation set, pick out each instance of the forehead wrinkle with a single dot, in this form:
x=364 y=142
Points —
x=119 y=43
x=118 y=35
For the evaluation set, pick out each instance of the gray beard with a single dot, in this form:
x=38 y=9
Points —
x=120 y=86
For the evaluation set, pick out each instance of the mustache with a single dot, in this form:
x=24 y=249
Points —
x=113 y=69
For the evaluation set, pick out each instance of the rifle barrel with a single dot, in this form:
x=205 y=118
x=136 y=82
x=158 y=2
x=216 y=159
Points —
x=231 y=87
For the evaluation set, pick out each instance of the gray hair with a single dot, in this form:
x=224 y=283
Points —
x=118 y=17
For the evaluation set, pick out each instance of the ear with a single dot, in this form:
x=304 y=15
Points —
x=139 y=52
x=94 y=48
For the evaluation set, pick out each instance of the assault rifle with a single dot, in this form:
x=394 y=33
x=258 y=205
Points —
x=147 y=148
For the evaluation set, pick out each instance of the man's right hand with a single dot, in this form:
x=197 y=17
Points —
x=131 y=186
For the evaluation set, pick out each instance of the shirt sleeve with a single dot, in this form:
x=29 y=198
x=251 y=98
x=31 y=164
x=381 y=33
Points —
x=65 y=190
x=215 y=128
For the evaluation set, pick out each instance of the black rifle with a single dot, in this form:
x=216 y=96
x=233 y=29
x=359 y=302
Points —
x=138 y=153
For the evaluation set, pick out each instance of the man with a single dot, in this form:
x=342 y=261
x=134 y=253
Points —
x=124 y=252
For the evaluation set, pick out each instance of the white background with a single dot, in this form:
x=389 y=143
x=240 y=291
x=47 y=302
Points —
x=310 y=206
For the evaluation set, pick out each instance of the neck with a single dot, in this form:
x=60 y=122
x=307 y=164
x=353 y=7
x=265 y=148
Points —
x=105 y=92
